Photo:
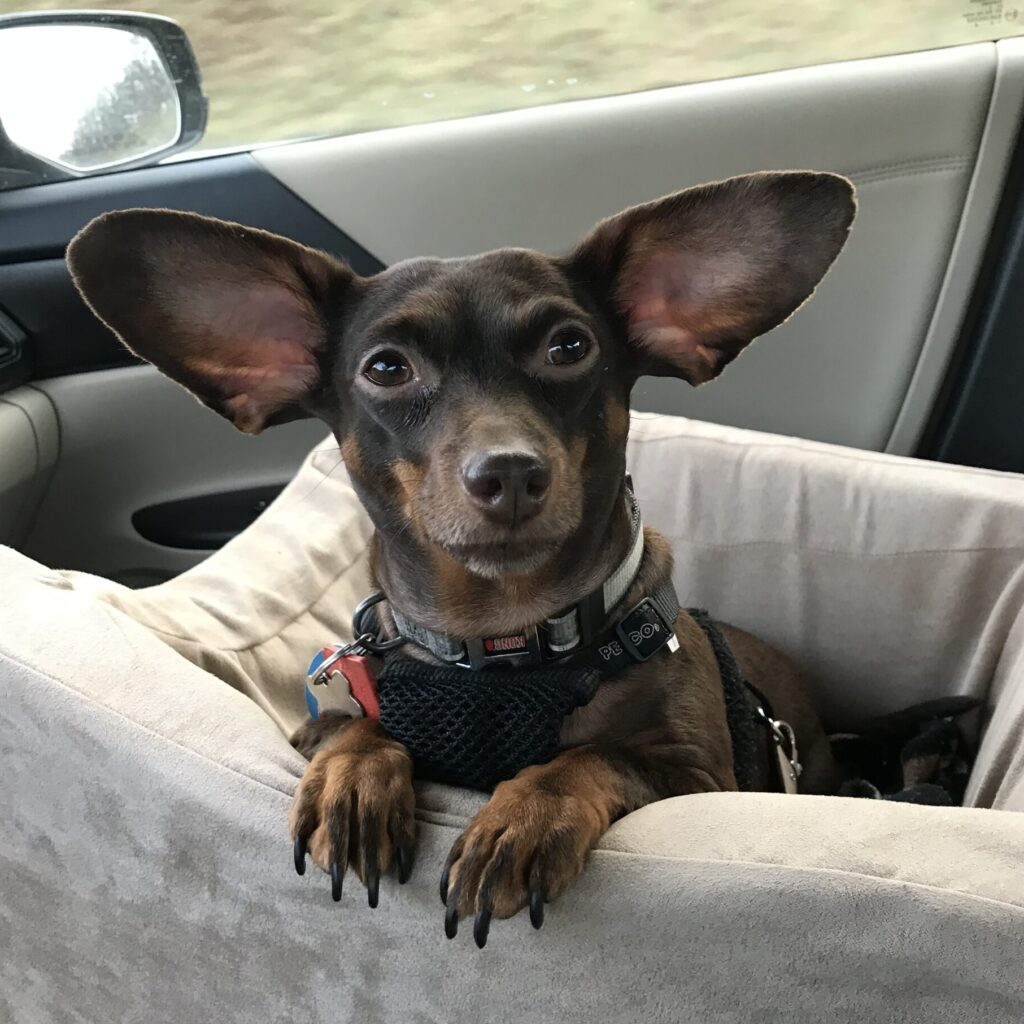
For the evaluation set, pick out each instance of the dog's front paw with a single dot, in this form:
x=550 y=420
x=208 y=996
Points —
x=525 y=847
x=354 y=808
x=315 y=732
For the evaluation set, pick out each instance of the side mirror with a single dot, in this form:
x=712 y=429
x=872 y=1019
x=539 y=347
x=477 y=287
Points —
x=86 y=92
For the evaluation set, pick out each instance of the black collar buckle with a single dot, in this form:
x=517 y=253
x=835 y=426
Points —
x=640 y=634
x=517 y=651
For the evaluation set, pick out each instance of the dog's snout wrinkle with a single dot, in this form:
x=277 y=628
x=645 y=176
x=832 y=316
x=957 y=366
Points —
x=508 y=486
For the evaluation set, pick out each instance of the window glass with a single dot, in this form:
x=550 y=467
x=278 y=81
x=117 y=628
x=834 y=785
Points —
x=294 y=68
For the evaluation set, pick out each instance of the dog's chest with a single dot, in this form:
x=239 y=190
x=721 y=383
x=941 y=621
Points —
x=621 y=708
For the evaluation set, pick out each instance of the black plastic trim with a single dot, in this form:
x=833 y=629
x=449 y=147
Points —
x=66 y=336
x=979 y=417
x=205 y=523
x=15 y=354
x=37 y=223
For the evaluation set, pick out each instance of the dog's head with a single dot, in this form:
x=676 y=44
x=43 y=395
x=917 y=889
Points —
x=482 y=403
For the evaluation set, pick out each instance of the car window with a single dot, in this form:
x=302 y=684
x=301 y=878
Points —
x=295 y=68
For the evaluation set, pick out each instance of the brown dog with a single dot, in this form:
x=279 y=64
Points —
x=481 y=406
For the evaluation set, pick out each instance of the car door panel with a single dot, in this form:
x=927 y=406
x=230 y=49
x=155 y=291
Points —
x=907 y=129
x=131 y=439
x=981 y=420
x=993 y=189
x=28 y=454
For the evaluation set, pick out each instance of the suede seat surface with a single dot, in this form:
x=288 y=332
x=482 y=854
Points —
x=145 y=868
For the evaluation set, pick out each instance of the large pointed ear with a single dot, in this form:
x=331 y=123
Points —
x=238 y=316
x=699 y=274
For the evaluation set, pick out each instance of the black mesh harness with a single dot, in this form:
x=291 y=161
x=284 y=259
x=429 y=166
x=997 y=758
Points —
x=477 y=727
x=496 y=705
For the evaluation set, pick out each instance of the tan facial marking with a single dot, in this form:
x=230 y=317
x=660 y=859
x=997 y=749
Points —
x=472 y=605
x=409 y=478
x=350 y=452
x=578 y=452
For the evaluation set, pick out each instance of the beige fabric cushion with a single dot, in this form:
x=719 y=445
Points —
x=888 y=580
x=145 y=856
x=255 y=612
x=147 y=877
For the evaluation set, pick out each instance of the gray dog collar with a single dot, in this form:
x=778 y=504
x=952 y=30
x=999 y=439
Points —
x=576 y=632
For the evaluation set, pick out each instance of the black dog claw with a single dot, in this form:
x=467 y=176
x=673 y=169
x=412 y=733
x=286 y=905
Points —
x=444 y=885
x=451 y=922
x=481 y=926
x=536 y=908
x=299 y=852
x=404 y=865
x=336 y=882
x=373 y=889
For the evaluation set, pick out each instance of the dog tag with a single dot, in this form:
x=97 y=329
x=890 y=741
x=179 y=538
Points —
x=362 y=683
x=337 y=681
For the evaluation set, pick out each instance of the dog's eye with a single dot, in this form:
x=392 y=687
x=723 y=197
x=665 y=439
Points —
x=567 y=346
x=387 y=369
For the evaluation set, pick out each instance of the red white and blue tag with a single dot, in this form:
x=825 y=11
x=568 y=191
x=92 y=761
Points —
x=338 y=681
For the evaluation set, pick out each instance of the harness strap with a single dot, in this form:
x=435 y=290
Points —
x=638 y=635
x=441 y=645
x=747 y=711
x=477 y=727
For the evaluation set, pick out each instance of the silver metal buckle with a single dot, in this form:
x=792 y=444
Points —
x=784 y=738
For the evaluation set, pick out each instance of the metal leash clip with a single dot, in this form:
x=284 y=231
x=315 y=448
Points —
x=790 y=768
x=363 y=623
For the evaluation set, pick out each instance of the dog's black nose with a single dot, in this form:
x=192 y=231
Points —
x=510 y=487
